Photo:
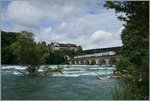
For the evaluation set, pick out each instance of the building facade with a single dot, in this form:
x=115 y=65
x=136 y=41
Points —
x=60 y=46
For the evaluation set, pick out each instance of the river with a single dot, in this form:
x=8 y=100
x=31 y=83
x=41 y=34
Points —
x=78 y=82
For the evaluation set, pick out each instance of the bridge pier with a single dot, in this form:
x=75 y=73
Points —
x=83 y=62
x=70 y=62
x=97 y=61
x=107 y=62
x=75 y=62
x=90 y=61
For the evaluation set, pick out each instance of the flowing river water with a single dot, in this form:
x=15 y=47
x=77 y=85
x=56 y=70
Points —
x=78 y=82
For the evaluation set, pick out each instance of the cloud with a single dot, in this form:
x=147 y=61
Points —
x=46 y=30
x=63 y=26
x=48 y=35
x=98 y=39
x=43 y=34
x=88 y=23
x=101 y=36
x=24 y=13
x=71 y=21
x=31 y=13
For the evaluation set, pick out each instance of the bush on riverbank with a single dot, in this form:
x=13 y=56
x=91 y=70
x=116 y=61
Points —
x=129 y=91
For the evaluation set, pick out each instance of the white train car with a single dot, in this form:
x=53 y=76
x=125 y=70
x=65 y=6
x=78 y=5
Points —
x=97 y=54
x=112 y=53
x=105 y=53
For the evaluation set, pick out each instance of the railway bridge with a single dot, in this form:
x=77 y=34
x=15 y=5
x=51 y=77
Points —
x=105 y=58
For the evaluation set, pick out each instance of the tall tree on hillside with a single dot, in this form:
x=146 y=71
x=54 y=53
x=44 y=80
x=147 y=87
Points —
x=135 y=39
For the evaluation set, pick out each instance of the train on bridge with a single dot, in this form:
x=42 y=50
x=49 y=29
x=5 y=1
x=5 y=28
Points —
x=108 y=58
x=109 y=53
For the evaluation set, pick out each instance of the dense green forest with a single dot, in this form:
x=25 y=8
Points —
x=9 y=46
x=134 y=64
x=7 y=56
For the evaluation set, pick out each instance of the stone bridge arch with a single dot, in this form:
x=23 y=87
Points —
x=93 y=62
x=107 y=60
x=81 y=62
x=77 y=61
x=99 y=61
x=103 y=62
x=72 y=62
x=87 y=62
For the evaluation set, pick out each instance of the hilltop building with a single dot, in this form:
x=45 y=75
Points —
x=61 y=46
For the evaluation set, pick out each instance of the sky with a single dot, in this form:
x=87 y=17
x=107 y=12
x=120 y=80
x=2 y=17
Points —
x=82 y=22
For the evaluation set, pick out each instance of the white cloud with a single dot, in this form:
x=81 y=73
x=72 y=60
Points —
x=57 y=37
x=45 y=30
x=88 y=23
x=43 y=34
x=16 y=28
x=24 y=13
x=101 y=36
x=66 y=21
x=99 y=39
x=31 y=13
x=48 y=35
x=63 y=26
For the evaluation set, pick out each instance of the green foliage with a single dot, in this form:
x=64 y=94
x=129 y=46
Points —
x=55 y=58
x=122 y=64
x=80 y=48
x=58 y=57
x=112 y=62
x=18 y=48
x=43 y=51
x=7 y=56
x=128 y=91
x=135 y=50
x=26 y=49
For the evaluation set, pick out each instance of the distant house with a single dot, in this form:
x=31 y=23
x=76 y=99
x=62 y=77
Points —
x=60 y=46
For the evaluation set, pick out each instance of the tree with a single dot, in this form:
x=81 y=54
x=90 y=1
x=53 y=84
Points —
x=44 y=51
x=27 y=51
x=135 y=39
x=80 y=48
x=7 y=56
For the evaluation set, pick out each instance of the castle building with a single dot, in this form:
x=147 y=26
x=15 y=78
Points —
x=61 y=46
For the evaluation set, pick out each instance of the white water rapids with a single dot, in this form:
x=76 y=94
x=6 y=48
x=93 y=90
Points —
x=102 y=72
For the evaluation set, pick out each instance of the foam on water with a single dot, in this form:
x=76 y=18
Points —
x=73 y=71
x=70 y=75
x=20 y=67
x=13 y=67
x=16 y=73
x=68 y=71
x=40 y=70
x=103 y=77
x=7 y=67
